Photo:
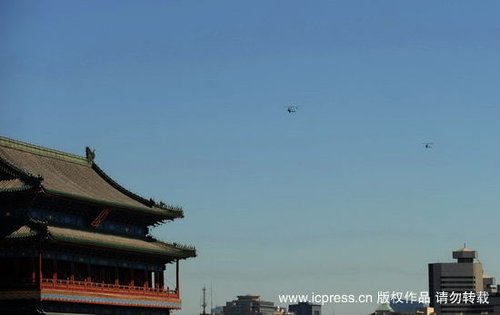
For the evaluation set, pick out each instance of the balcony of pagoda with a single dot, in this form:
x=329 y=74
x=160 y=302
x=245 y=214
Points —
x=109 y=294
x=84 y=283
x=72 y=282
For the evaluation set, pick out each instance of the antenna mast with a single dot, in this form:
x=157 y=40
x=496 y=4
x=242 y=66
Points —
x=204 y=303
x=211 y=298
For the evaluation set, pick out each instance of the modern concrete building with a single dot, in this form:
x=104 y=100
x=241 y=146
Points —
x=465 y=275
x=387 y=309
x=305 y=308
x=282 y=311
x=249 y=305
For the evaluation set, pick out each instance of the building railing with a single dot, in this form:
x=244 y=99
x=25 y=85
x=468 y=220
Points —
x=88 y=286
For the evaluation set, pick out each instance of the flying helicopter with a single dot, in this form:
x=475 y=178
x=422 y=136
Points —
x=291 y=109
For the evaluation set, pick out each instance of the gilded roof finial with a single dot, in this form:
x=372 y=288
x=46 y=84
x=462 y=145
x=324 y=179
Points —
x=90 y=154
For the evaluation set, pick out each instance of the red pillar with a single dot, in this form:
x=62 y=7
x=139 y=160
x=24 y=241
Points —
x=146 y=280
x=54 y=272
x=102 y=274
x=117 y=279
x=161 y=284
x=151 y=277
x=132 y=274
x=156 y=279
x=177 y=287
x=89 y=276
x=33 y=273
x=72 y=276
x=40 y=275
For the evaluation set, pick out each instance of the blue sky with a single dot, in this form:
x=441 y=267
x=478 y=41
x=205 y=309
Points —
x=184 y=102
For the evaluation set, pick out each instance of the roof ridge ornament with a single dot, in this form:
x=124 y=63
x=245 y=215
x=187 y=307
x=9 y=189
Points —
x=90 y=155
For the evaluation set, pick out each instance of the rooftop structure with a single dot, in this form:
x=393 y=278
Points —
x=465 y=255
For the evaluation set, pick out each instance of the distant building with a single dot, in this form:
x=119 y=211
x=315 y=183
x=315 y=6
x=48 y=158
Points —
x=465 y=275
x=218 y=310
x=384 y=309
x=426 y=311
x=407 y=307
x=495 y=302
x=389 y=309
x=305 y=308
x=249 y=305
x=420 y=311
x=282 y=311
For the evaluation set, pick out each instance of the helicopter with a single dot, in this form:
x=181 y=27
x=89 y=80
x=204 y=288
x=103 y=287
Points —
x=291 y=109
x=428 y=145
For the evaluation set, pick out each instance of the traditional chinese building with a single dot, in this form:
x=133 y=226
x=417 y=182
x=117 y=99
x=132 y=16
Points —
x=72 y=240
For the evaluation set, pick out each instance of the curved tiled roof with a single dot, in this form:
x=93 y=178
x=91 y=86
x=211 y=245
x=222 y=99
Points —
x=103 y=241
x=108 y=241
x=69 y=176
x=23 y=232
x=12 y=185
